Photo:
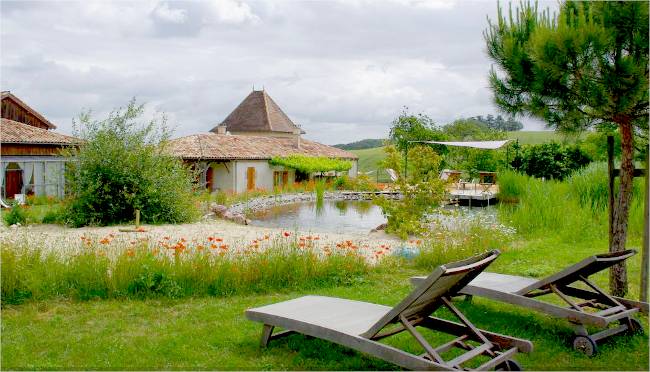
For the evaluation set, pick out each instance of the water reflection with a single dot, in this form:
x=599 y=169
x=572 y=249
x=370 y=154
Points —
x=347 y=216
x=342 y=216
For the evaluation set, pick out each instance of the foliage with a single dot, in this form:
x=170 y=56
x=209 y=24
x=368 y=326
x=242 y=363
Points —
x=368 y=143
x=498 y=123
x=571 y=209
x=359 y=183
x=15 y=215
x=122 y=166
x=595 y=145
x=421 y=190
x=550 y=160
x=587 y=66
x=311 y=164
x=142 y=271
x=41 y=200
x=408 y=127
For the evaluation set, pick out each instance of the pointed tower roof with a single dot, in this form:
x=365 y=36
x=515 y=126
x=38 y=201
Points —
x=258 y=113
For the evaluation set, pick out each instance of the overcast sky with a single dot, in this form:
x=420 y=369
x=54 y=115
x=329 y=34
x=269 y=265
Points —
x=343 y=70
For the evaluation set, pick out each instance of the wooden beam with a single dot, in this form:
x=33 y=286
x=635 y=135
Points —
x=645 y=247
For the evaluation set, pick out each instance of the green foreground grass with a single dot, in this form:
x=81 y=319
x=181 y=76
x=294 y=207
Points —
x=212 y=332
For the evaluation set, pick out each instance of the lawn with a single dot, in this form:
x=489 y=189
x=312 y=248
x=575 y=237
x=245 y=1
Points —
x=212 y=332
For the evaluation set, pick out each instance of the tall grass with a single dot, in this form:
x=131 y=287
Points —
x=142 y=272
x=457 y=245
x=574 y=209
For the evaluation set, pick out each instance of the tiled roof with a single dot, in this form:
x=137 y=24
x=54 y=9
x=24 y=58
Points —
x=7 y=94
x=231 y=147
x=258 y=113
x=15 y=132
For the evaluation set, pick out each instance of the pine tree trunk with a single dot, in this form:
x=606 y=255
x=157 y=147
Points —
x=618 y=273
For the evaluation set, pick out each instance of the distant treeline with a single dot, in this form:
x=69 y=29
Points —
x=498 y=123
x=363 y=144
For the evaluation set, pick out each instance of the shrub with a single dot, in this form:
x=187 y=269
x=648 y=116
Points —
x=551 y=160
x=122 y=166
x=15 y=215
x=361 y=182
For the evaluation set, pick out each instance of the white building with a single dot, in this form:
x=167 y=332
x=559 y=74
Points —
x=235 y=154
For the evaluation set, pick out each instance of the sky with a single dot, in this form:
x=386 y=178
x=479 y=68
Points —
x=342 y=70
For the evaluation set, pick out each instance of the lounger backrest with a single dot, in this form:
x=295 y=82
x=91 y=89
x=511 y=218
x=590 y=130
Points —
x=445 y=280
x=584 y=268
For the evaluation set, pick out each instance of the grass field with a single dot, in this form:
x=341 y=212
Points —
x=537 y=137
x=212 y=333
x=369 y=162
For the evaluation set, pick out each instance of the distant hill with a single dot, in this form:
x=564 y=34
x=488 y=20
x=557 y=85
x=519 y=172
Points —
x=360 y=145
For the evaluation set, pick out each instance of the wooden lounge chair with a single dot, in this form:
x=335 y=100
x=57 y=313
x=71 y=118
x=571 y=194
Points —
x=360 y=325
x=596 y=308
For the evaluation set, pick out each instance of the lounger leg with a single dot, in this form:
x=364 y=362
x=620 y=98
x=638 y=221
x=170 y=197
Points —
x=266 y=335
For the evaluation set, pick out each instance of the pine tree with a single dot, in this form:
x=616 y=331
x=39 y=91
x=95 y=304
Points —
x=586 y=66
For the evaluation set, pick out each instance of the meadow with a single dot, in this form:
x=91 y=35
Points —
x=140 y=309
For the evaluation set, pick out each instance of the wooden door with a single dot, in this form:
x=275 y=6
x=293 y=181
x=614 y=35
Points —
x=285 y=178
x=208 y=178
x=250 y=178
x=14 y=182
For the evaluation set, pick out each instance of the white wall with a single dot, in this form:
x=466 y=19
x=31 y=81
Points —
x=352 y=172
x=223 y=176
x=263 y=174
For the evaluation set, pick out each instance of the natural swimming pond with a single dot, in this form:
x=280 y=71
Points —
x=350 y=216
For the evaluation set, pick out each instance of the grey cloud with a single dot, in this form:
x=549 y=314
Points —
x=343 y=70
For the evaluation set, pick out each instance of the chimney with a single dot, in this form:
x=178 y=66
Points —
x=296 y=132
x=221 y=129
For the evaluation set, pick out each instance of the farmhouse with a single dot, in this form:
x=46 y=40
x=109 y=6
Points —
x=234 y=155
x=30 y=161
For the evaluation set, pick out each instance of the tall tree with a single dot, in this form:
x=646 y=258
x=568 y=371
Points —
x=587 y=66
x=409 y=127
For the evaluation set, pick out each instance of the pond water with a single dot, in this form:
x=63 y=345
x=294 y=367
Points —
x=351 y=216
x=343 y=216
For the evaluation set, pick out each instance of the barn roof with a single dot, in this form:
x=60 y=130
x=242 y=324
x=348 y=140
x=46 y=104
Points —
x=19 y=133
x=214 y=146
x=258 y=113
x=8 y=95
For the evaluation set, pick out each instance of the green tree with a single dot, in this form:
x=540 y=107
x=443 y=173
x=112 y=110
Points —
x=586 y=66
x=122 y=166
x=408 y=127
x=422 y=191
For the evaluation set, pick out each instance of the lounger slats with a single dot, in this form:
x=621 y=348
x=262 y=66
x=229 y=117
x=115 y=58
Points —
x=359 y=325
x=526 y=292
x=456 y=362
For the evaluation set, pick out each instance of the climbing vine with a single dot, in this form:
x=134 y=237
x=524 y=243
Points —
x=311 y=164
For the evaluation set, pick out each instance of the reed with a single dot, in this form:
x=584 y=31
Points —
x=573 y=209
